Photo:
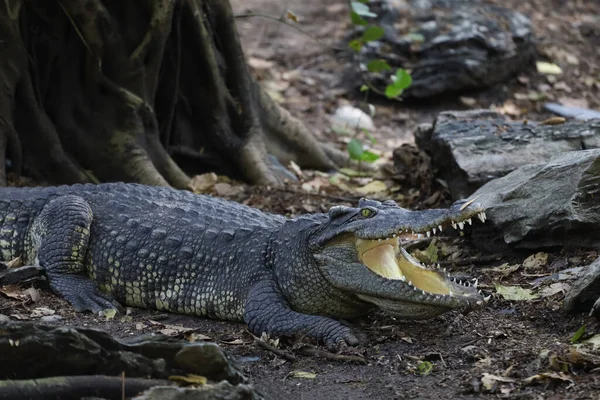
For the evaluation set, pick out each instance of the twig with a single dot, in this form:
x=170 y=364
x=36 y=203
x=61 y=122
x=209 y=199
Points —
x=278 y=352
x=313 y=352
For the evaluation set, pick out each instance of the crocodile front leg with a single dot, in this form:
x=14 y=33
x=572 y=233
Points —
x=58 y=241
x=268 y=311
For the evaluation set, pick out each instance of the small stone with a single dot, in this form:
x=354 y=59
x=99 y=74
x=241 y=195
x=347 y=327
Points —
x=51 y=318
x=4 y=318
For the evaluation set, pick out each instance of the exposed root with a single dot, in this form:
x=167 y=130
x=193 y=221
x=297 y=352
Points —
x=104 y=91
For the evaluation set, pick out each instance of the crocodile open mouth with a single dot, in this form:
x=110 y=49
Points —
x=388 y=259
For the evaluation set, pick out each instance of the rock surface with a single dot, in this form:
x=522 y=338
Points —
x=470 y=148
x=448 y=45
x=544 y=205
x=585 y=292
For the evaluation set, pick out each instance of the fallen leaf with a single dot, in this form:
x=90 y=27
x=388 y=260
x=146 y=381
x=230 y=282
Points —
x=12 y=292
x=424 y=368
x=489 y=380
x=594 y=341
x=515 y=293
x=547 y=375
x=554 y=121
x=504 y=269
x=109 y=313
x=33 y=293
x=190 y=378
x=372 y=187
x=555 y=288
x=536 y=260
x=203 y=183
x=547 y=68
x=225 y=189
x=302 y=374
x=193 y=337
x=41 y=311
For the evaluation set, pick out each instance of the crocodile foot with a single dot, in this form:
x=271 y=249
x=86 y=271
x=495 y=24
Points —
x=82 y=293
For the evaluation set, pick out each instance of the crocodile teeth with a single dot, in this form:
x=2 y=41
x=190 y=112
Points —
x=469 y=221
x=440 y=227
x=475 y=283
x=394 y=235
x=434 y=230
x=419 y=236
x=481 y=216
x=454 y=225
x=410 y=283
x=428 y=233
x=461 y=225
x=487 y=298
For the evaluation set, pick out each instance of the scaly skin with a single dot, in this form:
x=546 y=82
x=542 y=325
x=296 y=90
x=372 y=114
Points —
x=103 y=246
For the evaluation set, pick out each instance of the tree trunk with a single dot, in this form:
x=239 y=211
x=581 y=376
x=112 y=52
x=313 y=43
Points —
x=141 y=91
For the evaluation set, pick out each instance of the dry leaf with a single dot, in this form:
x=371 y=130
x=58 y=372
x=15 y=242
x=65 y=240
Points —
x=12 y=292
x=302 y=374
x=548 y=68
x=203 y=183
x=41 y=311
x=515 y=293
x=504 y=269
x=489 y=380
x=109 y=313
x=372 y=187
x=547 y=375
x=33 y=293
x=14 y=263
x=536 y=260
x=190 y=378
x=558 y=287
x=225 y=189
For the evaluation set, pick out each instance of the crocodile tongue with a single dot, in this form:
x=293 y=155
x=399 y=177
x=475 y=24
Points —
x=388 y=259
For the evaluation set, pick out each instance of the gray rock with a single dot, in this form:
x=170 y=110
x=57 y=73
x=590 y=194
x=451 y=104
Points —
x=4 y=318
x=448 y=45
x=549 y=204
x=585 y=292
x=51 y=318
x=470 y=148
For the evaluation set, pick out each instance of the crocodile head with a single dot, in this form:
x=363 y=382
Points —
x=359 y=251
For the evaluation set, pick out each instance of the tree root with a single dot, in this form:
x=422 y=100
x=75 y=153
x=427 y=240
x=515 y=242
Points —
x=105 y=91
x=77 y=387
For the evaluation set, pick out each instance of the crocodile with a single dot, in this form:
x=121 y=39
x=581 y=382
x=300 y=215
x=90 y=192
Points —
x=106 y=246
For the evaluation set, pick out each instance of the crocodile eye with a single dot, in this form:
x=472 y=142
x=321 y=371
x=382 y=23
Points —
x=367 y=212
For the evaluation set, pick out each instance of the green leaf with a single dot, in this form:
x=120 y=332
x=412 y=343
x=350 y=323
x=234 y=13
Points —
x=357 y=19
x=403 y=78
x=392 y=91
x=364 y=88
x=378 y=66
x=424 y=367
x=355 y=149
x=362 y=9
x=373 y=33
x=578 y=334
x=369 y=156
x=356 y=45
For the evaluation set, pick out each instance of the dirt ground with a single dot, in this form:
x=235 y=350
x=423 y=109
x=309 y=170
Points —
x=509 y=349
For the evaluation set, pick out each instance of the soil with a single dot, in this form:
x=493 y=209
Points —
x=487 y=353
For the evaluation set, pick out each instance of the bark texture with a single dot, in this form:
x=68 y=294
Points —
x=146 y=91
